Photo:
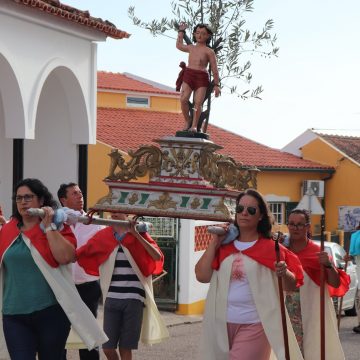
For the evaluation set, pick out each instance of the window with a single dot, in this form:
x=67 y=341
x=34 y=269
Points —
x=277 y=210
x=137 y=101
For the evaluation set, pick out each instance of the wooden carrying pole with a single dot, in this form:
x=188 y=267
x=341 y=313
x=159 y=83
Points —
x=282 y=303
x=322 y=294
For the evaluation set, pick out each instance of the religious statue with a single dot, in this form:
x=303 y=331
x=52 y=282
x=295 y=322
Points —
x=194 y=77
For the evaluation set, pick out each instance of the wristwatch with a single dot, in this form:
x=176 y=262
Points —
x=51 y=227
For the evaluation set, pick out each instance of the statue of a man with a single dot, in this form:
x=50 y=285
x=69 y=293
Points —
x=195 y=77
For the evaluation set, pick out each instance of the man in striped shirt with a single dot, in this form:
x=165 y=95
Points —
x=125 y=259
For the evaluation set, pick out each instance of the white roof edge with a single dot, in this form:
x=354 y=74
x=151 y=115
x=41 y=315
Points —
x=338 y=132
x=294 y=146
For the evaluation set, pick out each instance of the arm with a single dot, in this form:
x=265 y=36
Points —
x=180 y=38
x=332 y=276
x=62 y=250
x=150 y=249
x=215 y=72
x=203 y=269
x=288 y=277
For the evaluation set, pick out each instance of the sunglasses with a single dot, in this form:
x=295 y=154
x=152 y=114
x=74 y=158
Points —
x=250 y=209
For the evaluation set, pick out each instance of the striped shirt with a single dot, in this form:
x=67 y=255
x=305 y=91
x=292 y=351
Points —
x=125 y=284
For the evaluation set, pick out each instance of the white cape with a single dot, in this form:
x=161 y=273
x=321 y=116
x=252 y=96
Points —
x=61 y=283
x=310 y=313
x=153 y=329
x=264 y=288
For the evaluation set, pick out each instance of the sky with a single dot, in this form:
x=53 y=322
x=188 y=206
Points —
x=313 y=83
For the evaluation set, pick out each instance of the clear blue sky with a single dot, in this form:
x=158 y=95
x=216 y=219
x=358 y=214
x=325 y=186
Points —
x=314 y=83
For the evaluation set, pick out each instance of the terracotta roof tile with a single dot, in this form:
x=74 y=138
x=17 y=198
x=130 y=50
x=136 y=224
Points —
x=56 y=8
x=117 y=81
x=349 y=145
x=128 y=129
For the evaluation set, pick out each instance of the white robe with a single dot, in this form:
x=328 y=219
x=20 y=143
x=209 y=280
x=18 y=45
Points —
x=153 y=329
x=310 y=313
x=61 y=283
x=264 y=288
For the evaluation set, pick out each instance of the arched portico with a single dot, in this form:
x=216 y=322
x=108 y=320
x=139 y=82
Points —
x=61 y=123
x=13 y=108
x=12 y=125
x=82 y=130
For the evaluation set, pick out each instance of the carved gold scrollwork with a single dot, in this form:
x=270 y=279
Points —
x=164 y=202
x=222 y=171
x=145 y=160
x=221 y=207
x=180 y=162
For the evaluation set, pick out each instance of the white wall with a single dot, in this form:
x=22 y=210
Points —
x=191 y=290
x=47 y=92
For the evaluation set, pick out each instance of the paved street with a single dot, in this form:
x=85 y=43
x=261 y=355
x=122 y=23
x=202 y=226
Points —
x=184 y=341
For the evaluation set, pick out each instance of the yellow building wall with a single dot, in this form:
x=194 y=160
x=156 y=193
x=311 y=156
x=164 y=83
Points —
x=157 y=103
x=343 y=187
x=99 y=164
x=165 y=104
x=111 y=100
x=319 y=151
x=287 y=183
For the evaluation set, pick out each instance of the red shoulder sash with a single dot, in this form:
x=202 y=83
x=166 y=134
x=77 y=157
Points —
x=263 y=251
x=10 y=232
x=98 y=249
x=310 y=262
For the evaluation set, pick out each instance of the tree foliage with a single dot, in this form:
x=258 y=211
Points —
x=232 y=41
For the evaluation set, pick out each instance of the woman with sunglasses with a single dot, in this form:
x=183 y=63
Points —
x=303 y=304
x=39 y=299
x=242 y=316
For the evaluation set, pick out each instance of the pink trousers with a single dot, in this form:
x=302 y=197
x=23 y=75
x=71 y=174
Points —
x=248 y=342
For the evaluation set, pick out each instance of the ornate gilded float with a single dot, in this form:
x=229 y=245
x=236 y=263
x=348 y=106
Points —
x=187 y=179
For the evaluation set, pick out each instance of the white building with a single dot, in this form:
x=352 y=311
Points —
x=47 y=92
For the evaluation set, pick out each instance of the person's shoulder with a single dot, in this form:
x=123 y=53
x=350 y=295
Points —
x=312 y=245
x=265 y=241
x=104 y=230
x=11 y=223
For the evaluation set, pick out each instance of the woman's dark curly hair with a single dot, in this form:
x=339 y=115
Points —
x=208 y=29
x=39 y=189
x=265 y=224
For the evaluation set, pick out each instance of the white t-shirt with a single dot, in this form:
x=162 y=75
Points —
x=83 y=233
x=241 y=308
